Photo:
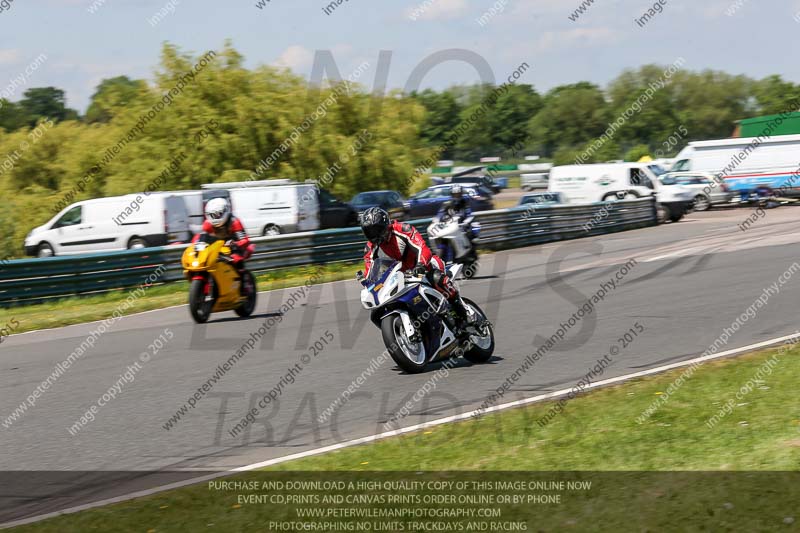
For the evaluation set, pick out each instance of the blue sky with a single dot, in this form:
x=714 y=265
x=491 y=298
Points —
x=82 y=48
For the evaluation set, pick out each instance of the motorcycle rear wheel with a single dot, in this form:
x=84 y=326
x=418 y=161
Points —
x=199 y=308
x=408 y=355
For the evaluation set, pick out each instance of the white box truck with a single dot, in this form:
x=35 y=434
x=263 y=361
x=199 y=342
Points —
x=764 y=166
x=110 y=224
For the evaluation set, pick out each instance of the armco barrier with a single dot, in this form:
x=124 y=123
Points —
x=34 y=280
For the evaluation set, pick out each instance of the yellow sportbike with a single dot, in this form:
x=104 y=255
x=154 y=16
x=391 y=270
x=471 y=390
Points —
x=215 y=284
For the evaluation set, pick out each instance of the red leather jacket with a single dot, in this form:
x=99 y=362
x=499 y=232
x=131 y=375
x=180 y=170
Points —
x=404 y=244
x=233 y=231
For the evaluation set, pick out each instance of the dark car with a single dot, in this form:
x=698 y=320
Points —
x=476 y=175
x=427 y=203
x=486 y=181
x=391 y=201
x=542 y=198
x=333 y=213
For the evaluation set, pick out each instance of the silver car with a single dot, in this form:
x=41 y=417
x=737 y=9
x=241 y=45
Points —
x=705 y=187
x=529 y=182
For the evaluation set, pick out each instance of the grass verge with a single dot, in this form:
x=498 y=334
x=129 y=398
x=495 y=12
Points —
x=77 y=310
x=597 y=437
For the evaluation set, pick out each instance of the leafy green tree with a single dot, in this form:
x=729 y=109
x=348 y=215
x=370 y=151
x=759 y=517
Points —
x=12 y=116
x=442 y=112
x=46 y=102
x=497 y=120
x=647 y=112
x=709 y=103
x=774 y=95
x=511 y=114
x=111 y=95
x=571 y=116
x=637 y=152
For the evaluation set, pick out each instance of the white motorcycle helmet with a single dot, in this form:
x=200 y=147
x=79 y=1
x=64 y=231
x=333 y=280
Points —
x=218 y=212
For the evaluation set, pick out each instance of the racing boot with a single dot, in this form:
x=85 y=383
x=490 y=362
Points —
x=463 y=320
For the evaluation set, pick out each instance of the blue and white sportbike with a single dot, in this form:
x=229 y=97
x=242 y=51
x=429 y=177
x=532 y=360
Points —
x=417 y=322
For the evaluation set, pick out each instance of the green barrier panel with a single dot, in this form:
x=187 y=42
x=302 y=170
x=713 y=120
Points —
x=35 y=280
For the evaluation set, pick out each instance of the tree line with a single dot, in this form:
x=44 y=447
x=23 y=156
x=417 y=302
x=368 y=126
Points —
x=45 y=147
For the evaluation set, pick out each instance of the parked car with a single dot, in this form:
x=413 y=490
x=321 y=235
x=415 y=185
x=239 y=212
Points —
x=334 y=213
x=541 y=198
x=702 y=185
x=111 y=224
x=538 y=180
x=427 y=203
x=391 y=201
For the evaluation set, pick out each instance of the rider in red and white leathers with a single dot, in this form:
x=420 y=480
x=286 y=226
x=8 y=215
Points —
x=402 y=242
x=221 y=224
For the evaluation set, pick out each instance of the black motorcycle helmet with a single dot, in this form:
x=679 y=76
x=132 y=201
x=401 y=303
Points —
x=375 y=225
x=457 y=197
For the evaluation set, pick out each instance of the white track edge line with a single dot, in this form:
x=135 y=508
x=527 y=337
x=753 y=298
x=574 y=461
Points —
x=408 y=429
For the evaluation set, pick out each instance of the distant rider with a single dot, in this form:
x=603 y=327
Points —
x=402 y=242
x=221 y=224
x=458 y=208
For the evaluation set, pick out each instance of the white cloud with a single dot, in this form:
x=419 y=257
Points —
x=295 y=57
x=9 y=56
x=437 y=9
x=577 y=37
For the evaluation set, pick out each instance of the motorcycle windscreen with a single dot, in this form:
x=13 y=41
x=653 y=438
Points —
x=380 y=270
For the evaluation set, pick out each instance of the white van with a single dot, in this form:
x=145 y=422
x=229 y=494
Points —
x=194 y=208
x=111 y=224
x=746 y=164
x=273 y=207
x=584 y=184
x=195 y=205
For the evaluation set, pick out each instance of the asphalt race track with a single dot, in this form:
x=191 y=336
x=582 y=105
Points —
x=691 y=280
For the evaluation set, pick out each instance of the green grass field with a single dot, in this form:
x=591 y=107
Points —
x=597 y=437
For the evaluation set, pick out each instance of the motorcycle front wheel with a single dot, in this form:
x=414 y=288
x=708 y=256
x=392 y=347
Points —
x=482 y=346
x=200 y=307
x=408 y=354
x=470 y=269
x=249 y=283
